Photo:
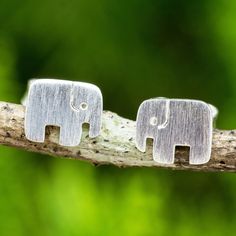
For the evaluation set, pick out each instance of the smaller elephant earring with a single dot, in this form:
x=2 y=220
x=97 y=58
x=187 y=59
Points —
x=176 y=122
x=65 y=104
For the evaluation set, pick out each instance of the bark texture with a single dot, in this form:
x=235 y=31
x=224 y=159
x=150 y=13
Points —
x=115 y=145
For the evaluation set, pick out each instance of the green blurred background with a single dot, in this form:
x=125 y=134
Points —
x=133 y=50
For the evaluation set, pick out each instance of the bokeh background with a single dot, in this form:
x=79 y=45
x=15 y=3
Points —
x=133 y=50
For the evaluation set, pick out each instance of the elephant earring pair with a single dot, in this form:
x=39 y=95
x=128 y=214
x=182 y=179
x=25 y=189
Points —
x=170 y=122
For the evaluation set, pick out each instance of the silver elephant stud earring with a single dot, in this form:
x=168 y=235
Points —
x=65 y=104
x=176 y=122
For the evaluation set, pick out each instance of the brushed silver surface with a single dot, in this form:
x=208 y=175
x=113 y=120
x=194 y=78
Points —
x=176 y=122
x=65 y=104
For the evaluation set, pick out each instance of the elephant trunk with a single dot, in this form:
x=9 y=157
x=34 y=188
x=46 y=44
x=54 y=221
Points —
x=96 y=119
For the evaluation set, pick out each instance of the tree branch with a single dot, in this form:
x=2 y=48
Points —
x=115 y=145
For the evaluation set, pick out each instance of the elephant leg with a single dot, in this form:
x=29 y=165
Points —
x=70 y=136
x=200 y=154
x=163 y=152
x=35 y=131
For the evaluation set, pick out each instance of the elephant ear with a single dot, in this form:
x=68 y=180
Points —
x=77 y=96
x=166 y=113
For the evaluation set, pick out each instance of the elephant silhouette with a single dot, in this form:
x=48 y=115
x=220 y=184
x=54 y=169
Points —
x=65 y=104
x=176 y=122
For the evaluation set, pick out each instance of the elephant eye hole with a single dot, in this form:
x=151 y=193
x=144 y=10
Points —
x=83 y=106
x=153 y=121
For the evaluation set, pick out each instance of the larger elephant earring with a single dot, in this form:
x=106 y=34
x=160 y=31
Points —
x=65 y=104
x=176 y=122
